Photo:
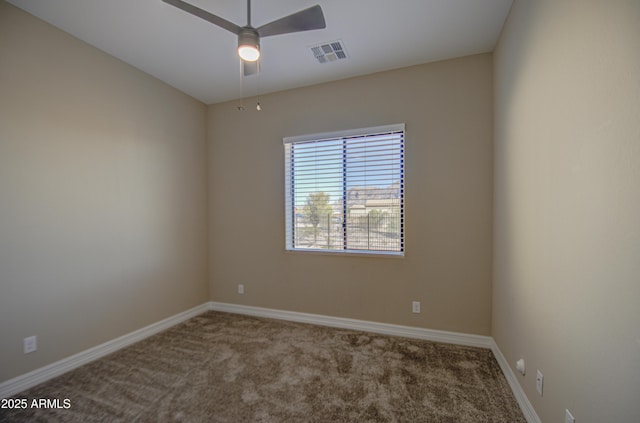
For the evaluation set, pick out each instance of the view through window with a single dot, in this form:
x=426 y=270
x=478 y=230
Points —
x=345 y=191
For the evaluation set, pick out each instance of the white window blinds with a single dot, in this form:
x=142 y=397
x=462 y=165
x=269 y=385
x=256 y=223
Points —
x=344 y=191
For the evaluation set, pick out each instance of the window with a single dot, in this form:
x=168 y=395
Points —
x=345 y=191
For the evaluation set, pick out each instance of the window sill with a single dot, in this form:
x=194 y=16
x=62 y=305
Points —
x=348 y=253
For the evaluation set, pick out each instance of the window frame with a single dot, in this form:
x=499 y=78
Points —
x=289 y=187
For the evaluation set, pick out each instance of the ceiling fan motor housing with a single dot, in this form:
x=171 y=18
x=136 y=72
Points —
x=249 y=44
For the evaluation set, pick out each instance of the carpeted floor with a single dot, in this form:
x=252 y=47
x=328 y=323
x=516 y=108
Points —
x=220 y=367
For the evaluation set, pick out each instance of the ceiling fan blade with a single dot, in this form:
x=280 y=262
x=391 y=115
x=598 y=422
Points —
x=304 y=20
x=209 y=17
x=249 y=68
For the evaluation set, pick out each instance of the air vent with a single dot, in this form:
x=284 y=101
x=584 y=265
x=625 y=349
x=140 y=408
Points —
x=329 y=52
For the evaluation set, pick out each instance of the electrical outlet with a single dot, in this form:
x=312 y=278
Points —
x=415 y=306
x=539 y=380
x=240 y=288
x=568 y=418
x=30 y=344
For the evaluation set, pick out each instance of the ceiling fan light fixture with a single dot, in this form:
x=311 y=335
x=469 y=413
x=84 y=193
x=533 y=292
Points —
x=249 y=45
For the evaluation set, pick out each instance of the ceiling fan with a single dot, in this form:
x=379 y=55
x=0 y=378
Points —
x=249 y=37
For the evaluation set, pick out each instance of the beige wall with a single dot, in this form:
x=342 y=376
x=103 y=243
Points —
x=102 y=196
x=567 y=205
x=447 y=108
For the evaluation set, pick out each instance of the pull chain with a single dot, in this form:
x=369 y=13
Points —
x=241 y=106
x=258 y=106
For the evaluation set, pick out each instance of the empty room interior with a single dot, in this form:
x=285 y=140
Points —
x=149 y=176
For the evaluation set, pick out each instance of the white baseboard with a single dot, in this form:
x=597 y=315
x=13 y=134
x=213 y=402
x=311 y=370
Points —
x=523 y=401
x=363 y=325
x=35 y=377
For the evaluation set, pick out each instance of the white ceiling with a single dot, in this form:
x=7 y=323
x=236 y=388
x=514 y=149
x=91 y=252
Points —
x=200 y=58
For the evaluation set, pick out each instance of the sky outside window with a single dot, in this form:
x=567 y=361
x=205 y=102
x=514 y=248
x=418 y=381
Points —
x=371 y=162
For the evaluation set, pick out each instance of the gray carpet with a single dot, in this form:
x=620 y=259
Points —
x=220 y=367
